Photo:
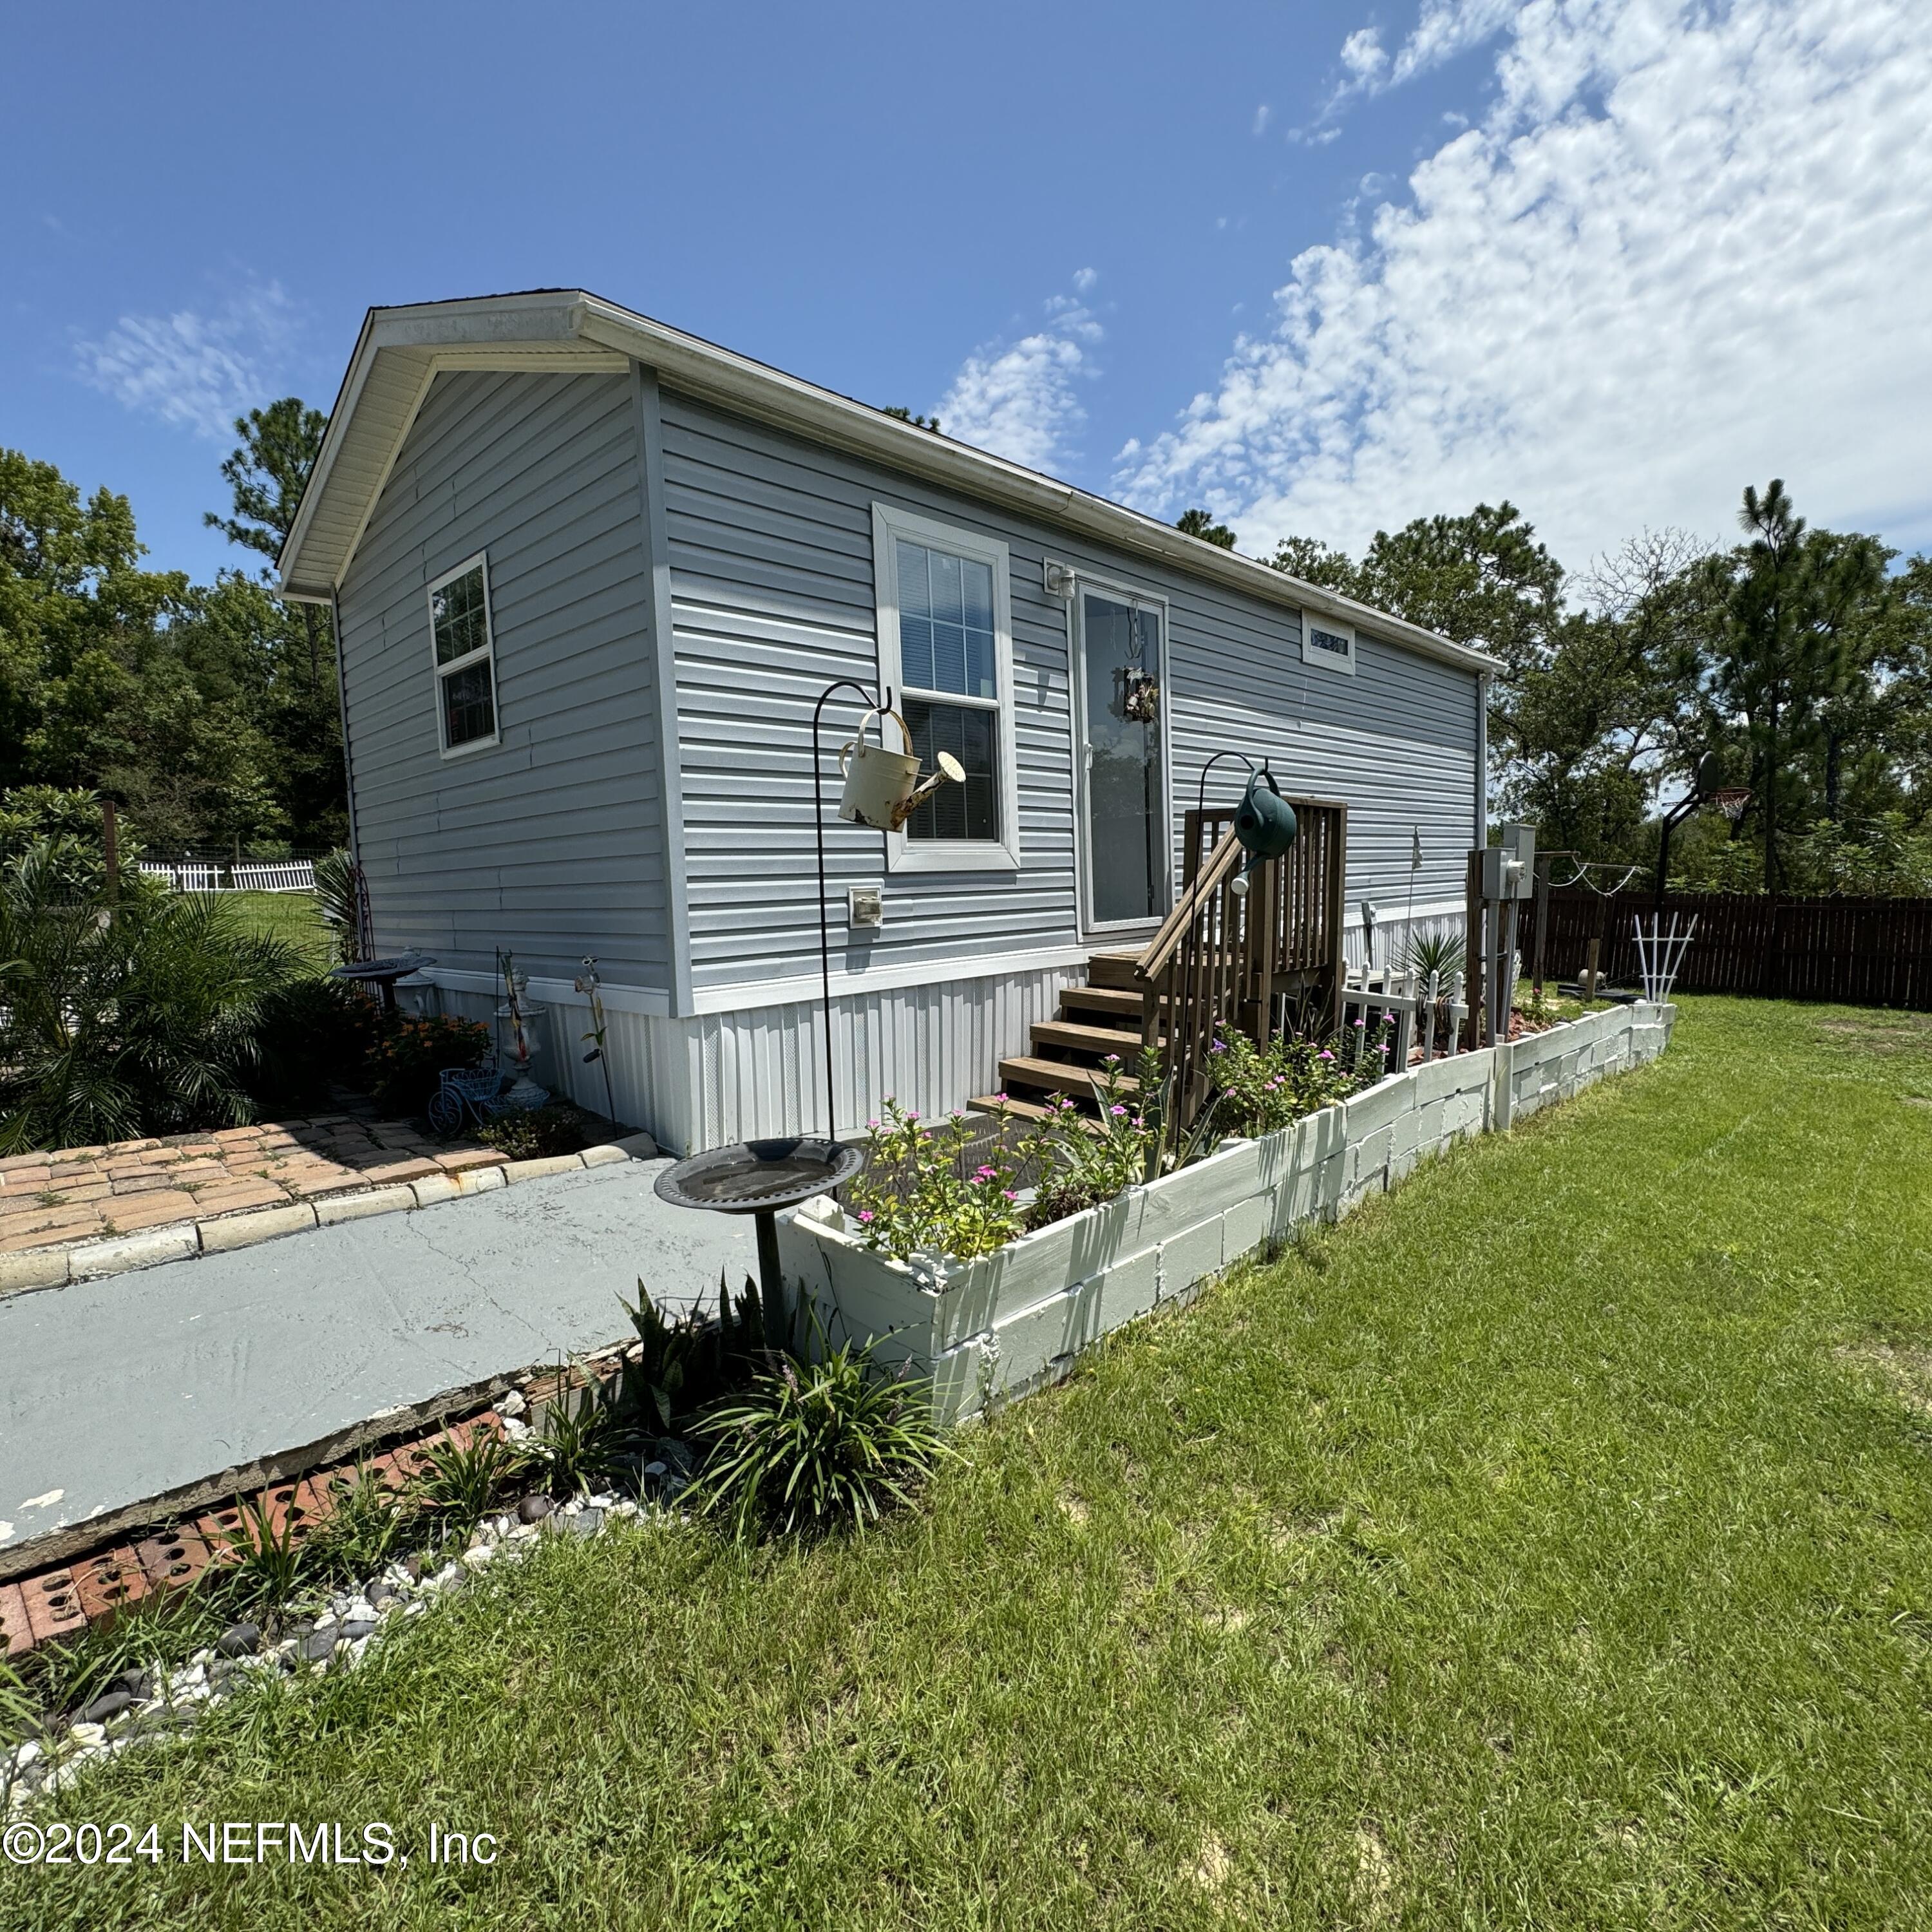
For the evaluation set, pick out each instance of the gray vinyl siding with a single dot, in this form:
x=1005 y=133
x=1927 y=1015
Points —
x=771 y=553
x=548 y=843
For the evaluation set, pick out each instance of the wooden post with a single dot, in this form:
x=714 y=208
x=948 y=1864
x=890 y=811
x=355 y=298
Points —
x=1475 y=940
x=1590 y=969
x=1543 y=859
x=110 y=847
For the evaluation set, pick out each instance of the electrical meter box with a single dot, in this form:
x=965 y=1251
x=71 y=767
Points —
x=1509 y=868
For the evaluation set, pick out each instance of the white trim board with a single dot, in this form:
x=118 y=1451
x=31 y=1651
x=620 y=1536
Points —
x=651 y=999
x=890 y=524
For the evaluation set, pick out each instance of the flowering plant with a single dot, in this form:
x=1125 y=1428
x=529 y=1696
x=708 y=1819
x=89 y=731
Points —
x=1262 y=1089
x=410 y=1058
x=918 y=1196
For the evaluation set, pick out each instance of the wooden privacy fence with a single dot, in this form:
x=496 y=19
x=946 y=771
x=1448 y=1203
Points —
x=1871 y=953
x=1224 y=960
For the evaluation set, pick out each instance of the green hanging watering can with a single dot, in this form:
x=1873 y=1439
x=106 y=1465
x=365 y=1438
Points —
x=1264 y=821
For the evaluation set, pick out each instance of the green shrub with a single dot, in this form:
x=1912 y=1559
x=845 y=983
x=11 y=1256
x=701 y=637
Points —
x=916 y=1196
x=1261 y=1090
x=142 y=1014
x=413 y=1054
x=316 y=1034
x=536 y=1134
x=817 y=1447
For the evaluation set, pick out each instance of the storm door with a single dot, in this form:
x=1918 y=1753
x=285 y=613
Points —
x=1122 y=686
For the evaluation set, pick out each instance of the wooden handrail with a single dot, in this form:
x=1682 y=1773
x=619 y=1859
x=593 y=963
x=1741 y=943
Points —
x=1162 y=948
x=1225 y=960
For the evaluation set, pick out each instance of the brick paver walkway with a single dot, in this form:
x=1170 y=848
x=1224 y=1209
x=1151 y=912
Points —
x=76 y=1193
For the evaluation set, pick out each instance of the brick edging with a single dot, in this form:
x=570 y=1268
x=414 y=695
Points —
x=29 y=1270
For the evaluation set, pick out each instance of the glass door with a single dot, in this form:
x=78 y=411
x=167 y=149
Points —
x=1123 y=790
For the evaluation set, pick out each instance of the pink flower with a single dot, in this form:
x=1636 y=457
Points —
x=1361 y=1020
x=1119 y=1113
x=865 y=1213
x=985 y=1174
x=1325 y=1055
x=999 y=1100
x=1011 y=1196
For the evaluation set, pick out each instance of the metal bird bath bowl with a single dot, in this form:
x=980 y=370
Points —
x=758 y=1177
x=382 y=974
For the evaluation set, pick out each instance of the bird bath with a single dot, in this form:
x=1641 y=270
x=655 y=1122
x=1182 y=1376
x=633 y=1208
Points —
x=759 y=1177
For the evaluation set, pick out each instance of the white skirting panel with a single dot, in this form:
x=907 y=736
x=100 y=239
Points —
x=723 y=1077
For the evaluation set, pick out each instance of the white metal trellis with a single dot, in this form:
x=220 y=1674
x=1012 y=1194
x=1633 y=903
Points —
x=1660 y=955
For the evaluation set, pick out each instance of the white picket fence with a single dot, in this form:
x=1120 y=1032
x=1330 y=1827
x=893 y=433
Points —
x=217 y=875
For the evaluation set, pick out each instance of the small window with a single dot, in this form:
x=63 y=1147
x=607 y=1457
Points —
x=466 y=668
x=1326 y=642
x=946 y=648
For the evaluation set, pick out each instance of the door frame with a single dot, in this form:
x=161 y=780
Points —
x=1085 y=582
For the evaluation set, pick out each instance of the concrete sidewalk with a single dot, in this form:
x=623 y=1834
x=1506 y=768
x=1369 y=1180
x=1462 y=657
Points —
x=118 y=1390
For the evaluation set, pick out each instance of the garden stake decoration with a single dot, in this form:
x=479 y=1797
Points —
x=1660 y=955
x=588 y=984
x=524 y=1092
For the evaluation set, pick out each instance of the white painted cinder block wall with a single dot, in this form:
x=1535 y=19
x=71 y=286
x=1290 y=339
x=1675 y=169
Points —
x=1020 y=1319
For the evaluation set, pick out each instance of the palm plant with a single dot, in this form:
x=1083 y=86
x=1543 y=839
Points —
x=137 y=1015
x=338 y=901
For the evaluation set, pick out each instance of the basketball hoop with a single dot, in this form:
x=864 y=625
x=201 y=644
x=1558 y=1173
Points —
x=1731 y=801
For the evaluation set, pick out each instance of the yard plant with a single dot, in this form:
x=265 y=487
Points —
x=1549 y=1545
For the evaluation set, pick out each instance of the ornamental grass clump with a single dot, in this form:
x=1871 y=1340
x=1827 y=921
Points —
x=815 y=1447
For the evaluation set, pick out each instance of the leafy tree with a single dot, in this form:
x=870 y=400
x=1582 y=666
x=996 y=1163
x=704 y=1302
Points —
x=1200 y=524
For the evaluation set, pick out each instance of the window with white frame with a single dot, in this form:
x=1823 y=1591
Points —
x=1327 y=642
x=465 y=658
x=946 y=648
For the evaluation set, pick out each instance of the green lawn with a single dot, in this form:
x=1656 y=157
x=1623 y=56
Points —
x=1550 y=1545
x=289 y=916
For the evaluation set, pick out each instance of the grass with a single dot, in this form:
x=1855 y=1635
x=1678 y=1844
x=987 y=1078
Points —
x=1550 y=1545
x=292 y=917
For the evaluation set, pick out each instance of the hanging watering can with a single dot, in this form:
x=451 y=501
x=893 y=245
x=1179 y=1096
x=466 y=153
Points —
x=1264 y=821
x=882 y=788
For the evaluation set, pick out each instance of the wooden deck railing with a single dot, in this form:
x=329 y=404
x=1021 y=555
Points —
x=1224 y=961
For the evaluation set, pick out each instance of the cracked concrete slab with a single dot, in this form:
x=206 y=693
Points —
x=136 y=1384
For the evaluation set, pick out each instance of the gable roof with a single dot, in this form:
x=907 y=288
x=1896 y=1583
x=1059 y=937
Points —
x=400 y=351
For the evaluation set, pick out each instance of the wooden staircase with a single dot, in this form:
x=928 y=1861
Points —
x=1068 y=1053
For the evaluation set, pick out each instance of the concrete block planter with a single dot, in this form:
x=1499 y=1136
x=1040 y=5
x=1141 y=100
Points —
x=1017 y=1319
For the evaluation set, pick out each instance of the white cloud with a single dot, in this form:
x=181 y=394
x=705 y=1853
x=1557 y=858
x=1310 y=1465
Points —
x=198 y=370
x=1684 y=249
x=1019 y=400
x=1264 y=114
x=1083 y=279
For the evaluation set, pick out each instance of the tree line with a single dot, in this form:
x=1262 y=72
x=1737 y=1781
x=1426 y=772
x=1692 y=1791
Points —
x=208 y=712
x=1795 y=664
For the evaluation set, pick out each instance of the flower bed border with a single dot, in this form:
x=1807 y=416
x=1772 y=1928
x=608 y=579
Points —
x=1019 y=1318
x=29 y=1269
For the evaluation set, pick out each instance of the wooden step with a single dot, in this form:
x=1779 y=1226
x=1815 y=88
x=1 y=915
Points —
x=1113 y=969
x=1116 y=1000
x=1071 y=1036
x=1059 y=1076
x=1029 y=1110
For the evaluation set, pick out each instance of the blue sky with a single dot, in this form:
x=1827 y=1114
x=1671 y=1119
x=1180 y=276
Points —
x=1324 y=266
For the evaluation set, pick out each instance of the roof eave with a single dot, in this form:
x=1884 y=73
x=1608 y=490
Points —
x=739 y=383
